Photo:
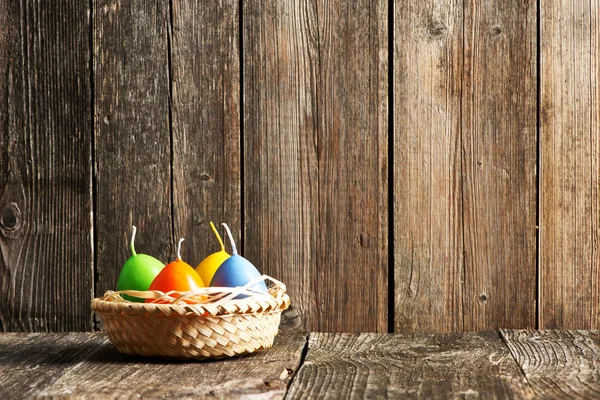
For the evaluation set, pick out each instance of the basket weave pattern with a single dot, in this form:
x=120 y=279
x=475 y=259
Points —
x=195 y=331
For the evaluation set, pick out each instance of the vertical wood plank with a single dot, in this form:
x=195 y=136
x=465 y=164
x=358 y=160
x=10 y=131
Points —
x=206 y=123
x=427 y=185
x=315 y=156
x=499 y=144
x=132 y=133
x=570 y=165
x=46 y=261
x=352 y=264
x=465 y=157
x=280 y=74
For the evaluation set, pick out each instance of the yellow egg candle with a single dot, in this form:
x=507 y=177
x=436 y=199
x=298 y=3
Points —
x=207 y=268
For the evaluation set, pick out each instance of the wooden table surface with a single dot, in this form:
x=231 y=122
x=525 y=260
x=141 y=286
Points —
x=505 y=364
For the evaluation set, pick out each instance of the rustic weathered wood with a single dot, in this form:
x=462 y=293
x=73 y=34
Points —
x=132 y=133
x=558 y=364
x=46 y=259
x=315 y=156
x=280 y=73
x=499 y=144
x=464 y=165
x=428 y=220
x=205 y=60
x=352 y=148
x=87 y=365
x=475 y=365
x=570 y=165
x=31 y=362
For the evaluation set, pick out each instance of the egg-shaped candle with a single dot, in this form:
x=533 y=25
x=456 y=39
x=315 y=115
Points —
x=177 y=275
x=207 y=268
x=237 y=271
x=138 y=272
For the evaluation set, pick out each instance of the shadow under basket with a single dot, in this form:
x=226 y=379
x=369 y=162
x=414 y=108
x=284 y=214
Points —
x=209 y=329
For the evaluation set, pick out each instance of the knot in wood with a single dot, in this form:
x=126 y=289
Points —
x=290 y=318
x=10 y=221
x=205 y=177
x=496 y=30
x=364 y=241
x=10 y=218
x=437 y=29
x=483 y=298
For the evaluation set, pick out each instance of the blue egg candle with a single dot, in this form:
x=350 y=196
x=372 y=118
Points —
x=237 y=271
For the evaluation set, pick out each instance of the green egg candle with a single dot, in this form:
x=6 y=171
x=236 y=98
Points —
x=207 y=268
x=237 y=271
x=138 y=272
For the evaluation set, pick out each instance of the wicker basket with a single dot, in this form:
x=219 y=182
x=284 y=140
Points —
x=206 y=323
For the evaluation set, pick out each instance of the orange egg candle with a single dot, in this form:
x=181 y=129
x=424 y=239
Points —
x=177 y=275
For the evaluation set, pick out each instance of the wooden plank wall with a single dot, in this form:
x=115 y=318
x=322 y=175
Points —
x=570 y=165
x=205 y=65
x=390 y=161
x=46 y=263
x=132 y=140
x=315 y=156
x=464 y=167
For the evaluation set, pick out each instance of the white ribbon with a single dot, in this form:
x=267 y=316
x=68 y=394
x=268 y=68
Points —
x=207 y=295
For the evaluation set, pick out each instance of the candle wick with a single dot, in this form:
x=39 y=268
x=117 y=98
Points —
x=233 y=248
x=218 y=236
x=179 y=249
x=131 y=245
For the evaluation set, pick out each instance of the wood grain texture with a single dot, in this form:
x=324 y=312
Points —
x=499 y=147
x=86 y=365
x=315 y=156
x=558 y=364
x=352 y=264
x=464 y=165
x=475 y=365
x=570 y=165
x=132 y=134
x=428 y=218
x=46 y=259
x=280 y=60
x=31 y=362
x=205 y=60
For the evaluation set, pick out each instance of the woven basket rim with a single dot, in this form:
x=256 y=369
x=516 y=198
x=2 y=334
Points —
x=111 y=304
